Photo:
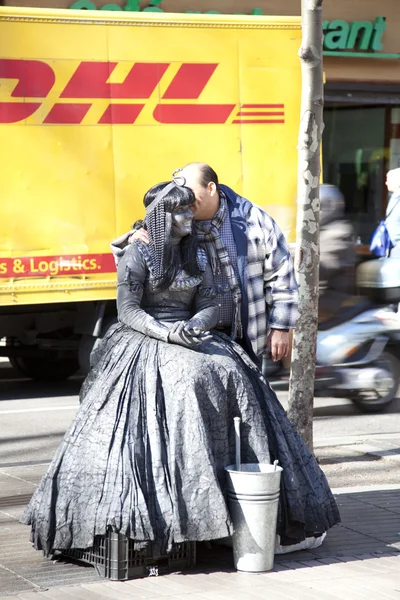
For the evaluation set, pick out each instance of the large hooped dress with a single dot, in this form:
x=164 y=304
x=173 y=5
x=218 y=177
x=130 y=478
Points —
x=146 y=452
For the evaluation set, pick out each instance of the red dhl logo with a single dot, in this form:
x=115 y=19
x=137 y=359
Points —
x=90 y=81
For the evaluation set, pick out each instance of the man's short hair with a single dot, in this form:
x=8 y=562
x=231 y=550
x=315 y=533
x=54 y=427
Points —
x=207 y=175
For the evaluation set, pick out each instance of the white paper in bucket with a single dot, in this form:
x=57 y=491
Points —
x=236 y=422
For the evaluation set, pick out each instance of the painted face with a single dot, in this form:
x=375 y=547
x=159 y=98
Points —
x=182 y=219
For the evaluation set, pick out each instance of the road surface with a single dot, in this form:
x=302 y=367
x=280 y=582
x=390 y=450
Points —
x=34 y=417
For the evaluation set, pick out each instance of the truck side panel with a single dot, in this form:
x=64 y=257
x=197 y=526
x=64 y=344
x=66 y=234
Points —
x=96 y=109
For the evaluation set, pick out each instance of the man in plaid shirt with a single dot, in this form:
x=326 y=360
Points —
x=258 y=253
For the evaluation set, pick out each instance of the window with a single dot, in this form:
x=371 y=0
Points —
x=360 y=143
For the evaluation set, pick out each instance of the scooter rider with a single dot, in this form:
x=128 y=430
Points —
x=337 y=261
x=337 y=254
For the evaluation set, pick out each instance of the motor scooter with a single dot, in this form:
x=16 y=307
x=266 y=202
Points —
x=358 y=350
x=358 y=357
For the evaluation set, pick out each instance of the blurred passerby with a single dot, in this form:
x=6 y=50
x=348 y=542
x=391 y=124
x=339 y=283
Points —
x=392 y=220
x=337 y=253
x=337 y=259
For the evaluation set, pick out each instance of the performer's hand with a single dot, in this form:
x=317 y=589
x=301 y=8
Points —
x=279 y=344
x=139 y=234
x=179 y=335
x=197 y=331
x=195 y=326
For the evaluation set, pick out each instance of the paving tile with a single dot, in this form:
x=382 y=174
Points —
x=222 y=595
x=138 y=592
x=29 y=473
x=154 y=586
x=339 y=587
x=7 y=517
x=161 y=588
x=51 y=577
x=12 y=485
x=379 y=585
x=76 y=591
x=62 y=579
x=301 y=555
x=106 y=592
x=211 y=595
x=332 y=571
x=10 y=583
x=392 y=579
x=279 y=566
x=235 y=579
x=124 y=590
x=293 y=562
x=292 y=577
x=299 y=577
x=30 y=596
x=316 y=594
x=196 y=582
x=232 y=593
x=362 y=585
x=377 y=565
x=391 y=560
x=188 y=596
x=278 y=592
x=57 y=594
x=298 y=592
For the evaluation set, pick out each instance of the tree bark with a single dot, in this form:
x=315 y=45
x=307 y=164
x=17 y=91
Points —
x=301 y=386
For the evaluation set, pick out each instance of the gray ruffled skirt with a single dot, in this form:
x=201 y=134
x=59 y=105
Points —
x=146 y=452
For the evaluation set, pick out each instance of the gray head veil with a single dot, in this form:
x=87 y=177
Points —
x=158 y=223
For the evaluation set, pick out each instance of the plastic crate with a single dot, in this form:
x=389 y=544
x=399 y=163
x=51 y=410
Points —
x=114 y=557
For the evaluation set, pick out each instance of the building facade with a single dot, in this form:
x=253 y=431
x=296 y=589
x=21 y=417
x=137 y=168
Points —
x=361 y=140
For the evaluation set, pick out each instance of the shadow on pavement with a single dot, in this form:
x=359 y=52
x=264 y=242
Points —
x=33 y=437
x=24 y=389
x=370 y=528
x=334 y=410
x=337 y=460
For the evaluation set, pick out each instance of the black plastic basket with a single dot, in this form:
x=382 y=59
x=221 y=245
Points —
x=114 y=557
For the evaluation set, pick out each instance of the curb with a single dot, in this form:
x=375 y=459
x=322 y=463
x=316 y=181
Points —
x=366 y=488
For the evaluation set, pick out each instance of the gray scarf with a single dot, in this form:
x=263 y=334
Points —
x=218 y=256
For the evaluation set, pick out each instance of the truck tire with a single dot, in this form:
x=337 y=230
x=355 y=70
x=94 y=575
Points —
x=48 y=368
x=89 y=343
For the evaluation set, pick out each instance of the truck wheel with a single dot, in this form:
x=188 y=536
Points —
x=89 y=343
x=48 y=368
x=370 y=401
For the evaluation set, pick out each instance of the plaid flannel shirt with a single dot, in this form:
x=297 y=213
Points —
x=271 y=284
x=267 y=275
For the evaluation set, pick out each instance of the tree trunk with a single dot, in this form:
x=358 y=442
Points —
x=301 y=387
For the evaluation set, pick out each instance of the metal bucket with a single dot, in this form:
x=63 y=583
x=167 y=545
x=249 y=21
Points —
x=253 y=496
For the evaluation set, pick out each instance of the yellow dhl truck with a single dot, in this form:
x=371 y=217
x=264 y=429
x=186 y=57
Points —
x=95 y=109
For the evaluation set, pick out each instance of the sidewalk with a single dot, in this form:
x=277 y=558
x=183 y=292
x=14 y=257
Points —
x=359 y=559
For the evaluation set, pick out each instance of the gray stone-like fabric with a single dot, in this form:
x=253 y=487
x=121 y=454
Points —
x=146 y=452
